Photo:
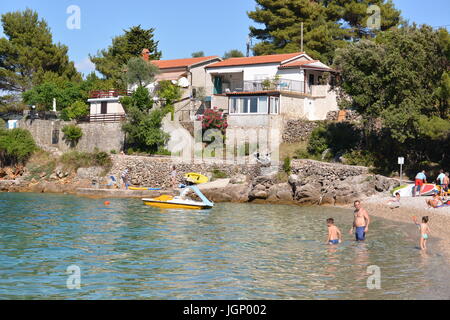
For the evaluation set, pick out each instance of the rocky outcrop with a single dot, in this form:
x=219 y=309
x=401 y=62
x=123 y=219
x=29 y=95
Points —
x=317 y=182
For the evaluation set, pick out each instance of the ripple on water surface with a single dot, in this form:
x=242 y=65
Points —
x=234 y=251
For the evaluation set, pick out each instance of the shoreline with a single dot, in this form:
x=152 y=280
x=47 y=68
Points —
x=439 y=218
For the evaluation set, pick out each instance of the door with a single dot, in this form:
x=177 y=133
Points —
x=311 y=82
x=104 y=107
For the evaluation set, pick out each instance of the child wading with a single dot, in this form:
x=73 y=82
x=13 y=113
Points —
x=424 y=231
x=334 y=234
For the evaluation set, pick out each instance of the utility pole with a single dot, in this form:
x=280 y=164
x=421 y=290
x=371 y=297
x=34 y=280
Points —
x=301 y=37
x=249 y=44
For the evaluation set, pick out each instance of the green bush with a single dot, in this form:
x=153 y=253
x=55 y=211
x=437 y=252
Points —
x=77 y=110
x=16 y=146
x=359 y=158
x=113 y=151
x=218 y=174
x=318 y=141
x=287 y=165
x=72 y=134
x=75 y=159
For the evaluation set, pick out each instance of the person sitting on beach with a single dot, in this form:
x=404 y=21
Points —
x=334 y=234
x=394 y=203
x=420 y=179
x=434 y=202
x=424 y=231
x=361 y=222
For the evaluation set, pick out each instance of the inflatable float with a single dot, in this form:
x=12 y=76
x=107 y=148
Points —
x=196 y=178
x=427 y=189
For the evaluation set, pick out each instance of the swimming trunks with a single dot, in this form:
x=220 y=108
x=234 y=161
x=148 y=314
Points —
x=336 y=241
x=360 y=234
x=425 y=236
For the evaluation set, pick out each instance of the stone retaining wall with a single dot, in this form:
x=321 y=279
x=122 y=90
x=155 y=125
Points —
x=156 y=171
x=298 y=130
x=103 y=136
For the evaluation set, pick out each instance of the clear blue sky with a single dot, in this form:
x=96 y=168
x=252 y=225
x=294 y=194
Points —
x=182 y=27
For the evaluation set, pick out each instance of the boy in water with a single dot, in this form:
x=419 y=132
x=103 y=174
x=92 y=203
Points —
x=424 y=231
x=334 y=234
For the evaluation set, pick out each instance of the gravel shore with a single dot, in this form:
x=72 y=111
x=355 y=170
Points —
x=409 y=207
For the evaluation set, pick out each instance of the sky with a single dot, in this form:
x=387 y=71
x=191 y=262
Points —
x=181 y=27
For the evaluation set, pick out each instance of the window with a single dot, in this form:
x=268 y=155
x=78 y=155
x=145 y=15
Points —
x=274 y=105
x=255 y=105
x=263 y=105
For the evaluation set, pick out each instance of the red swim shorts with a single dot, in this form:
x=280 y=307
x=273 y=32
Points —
x=419 y=182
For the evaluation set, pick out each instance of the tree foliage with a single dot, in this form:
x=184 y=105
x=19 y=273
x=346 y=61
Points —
x=140 y=72
x=197 y=54
x=109 y=62
x=28 y=55
x=234 y=53
x=16 y=146
x=66 y=93
x=399 y=83
x=328 y=24
x=143 y=127
x=77 y=110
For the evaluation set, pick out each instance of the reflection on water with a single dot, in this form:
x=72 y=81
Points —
x=234 y=251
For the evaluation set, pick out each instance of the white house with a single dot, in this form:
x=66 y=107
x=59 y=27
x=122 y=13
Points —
x=105 y=105
x=190 y=74
x=263 y=91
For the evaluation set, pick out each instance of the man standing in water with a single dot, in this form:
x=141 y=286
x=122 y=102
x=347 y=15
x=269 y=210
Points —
x=360 y=222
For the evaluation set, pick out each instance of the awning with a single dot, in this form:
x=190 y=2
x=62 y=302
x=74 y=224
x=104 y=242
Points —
x=173 y=75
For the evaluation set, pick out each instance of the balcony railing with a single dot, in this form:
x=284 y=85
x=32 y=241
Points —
x=107 y=117
x=264 y=85
x=108 y=94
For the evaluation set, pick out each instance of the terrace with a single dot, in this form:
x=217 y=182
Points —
x=102 y=94
x=280 y=85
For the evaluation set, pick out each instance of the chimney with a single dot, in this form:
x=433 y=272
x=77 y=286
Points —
x=145 y=54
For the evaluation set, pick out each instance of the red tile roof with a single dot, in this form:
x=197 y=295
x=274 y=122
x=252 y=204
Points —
x=181 y=63
x=274 y=58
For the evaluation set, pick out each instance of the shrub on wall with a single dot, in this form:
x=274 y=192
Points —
x=72 y=134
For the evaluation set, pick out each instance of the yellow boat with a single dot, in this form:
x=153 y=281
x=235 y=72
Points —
x=196 y=178
x=180 y=202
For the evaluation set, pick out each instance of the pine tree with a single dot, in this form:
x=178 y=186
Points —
x=328 y=24
x=28 y=55
x=110 y=62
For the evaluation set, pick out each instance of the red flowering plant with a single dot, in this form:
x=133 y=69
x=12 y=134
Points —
x=214 y=119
